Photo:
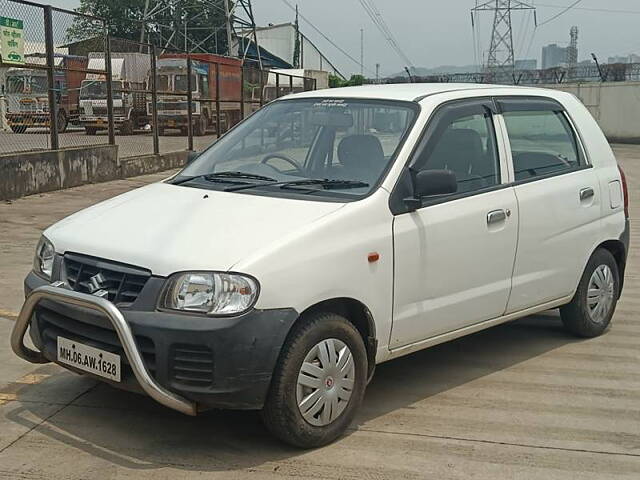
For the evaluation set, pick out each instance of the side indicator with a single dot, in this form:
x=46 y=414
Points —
x=373 y=257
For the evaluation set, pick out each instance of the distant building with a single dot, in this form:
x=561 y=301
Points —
x=618 y=59
x=278 y=48
x=633 y=58
x=553 y=56
x=526 y=64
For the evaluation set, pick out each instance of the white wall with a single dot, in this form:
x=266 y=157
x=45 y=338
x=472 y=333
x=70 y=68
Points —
x=280 y=40
x=614 y=105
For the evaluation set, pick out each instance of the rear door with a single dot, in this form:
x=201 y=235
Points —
x=558 y=201
x=453 y=257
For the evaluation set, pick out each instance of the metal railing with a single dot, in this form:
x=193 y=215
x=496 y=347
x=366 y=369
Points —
x=615 y=72
x=78 y=87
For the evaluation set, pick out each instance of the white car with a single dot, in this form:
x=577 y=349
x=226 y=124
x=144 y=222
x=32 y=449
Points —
x=331 y=231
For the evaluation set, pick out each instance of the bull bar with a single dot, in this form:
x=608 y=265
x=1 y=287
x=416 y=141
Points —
x=57 y=293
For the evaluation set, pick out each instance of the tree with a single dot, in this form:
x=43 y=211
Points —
x=123 y=19
x=355 y=80
x=192 y=25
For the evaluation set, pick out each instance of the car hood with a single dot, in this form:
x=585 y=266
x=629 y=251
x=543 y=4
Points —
x=169 y=228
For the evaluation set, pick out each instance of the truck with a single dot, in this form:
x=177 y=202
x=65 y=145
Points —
x=171 y=83
x=27 y=92
x=129 y=74
x=283 y=81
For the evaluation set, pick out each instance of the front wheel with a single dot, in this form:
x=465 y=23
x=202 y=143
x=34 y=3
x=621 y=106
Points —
x=318 y=383
x=590 y=311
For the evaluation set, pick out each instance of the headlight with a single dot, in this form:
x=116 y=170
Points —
x=43 y=261
x=211 y=293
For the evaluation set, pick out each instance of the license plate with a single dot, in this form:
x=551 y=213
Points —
x=89 y=359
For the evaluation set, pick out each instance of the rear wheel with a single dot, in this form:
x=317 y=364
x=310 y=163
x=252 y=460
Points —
x=90 y=130
x=200 y=127
x=593 y=305
x=18 y=128
x=318 y=383
x=63 y=123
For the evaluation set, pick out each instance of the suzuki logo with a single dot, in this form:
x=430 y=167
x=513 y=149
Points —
x=96 y=285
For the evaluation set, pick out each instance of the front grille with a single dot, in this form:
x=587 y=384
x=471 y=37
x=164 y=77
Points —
x=53 y=325
x=192 y=365
x=123 y=283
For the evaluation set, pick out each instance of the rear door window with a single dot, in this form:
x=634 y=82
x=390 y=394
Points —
x=542 y=140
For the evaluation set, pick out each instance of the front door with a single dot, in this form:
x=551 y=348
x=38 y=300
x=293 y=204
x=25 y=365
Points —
x=454 y=256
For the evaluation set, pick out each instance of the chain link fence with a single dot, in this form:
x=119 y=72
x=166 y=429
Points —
x=75 y=86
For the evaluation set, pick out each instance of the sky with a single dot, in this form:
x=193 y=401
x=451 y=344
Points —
x=438 y=32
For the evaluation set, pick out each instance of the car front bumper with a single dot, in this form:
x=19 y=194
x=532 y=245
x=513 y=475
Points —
x=208 y=362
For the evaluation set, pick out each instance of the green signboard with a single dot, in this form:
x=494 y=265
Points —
x=11 y=41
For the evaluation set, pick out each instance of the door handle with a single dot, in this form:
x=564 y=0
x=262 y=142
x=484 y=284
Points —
x=496 y=216
x=586 y=193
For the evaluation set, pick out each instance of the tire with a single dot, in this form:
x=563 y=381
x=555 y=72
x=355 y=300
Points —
x=90 y=130
x=63 y=123
x=582 y=316
x=281 y=414
x=126 y=128
x=18 y=128
x=200 y=127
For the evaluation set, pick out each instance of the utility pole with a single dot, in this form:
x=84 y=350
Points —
x=362 y=52
x=377 y=73
x=501 y=57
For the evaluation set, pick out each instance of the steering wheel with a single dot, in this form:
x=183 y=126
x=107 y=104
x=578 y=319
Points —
x=281 y=157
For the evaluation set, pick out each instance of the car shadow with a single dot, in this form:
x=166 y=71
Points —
x=134 y=432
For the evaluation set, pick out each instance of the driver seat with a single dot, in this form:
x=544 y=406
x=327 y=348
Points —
x=361 y=157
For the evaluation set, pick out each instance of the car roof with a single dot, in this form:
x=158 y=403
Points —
x=405 y=91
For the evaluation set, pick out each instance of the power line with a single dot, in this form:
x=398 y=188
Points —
x=560 y=13
x=288 y=4
x=379 y=22
x=590 y=9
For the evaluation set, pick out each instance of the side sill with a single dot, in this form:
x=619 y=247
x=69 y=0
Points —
x=461 y=332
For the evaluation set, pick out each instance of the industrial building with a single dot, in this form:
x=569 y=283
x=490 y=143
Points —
x=284 y=46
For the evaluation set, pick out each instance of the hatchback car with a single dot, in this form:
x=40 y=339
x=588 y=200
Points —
x=329 y=232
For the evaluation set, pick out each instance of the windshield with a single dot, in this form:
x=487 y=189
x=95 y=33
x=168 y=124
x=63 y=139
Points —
x=26 y=84
x=297 y=140
x=180 y=83
x=97 y=89
x=162 y=83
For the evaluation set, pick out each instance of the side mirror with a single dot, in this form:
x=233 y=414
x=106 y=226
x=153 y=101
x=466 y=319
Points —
x=431 y=183
x=191 y=156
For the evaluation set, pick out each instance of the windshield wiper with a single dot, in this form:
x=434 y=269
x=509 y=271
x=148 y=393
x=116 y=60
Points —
x=221 y=176
x=237 y=174
x=324 y=183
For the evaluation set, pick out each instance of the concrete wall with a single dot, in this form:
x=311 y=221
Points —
x=37 y=172
x=614 y=105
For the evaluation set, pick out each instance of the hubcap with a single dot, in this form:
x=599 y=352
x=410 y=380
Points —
x=600 y=294
x=325 y=382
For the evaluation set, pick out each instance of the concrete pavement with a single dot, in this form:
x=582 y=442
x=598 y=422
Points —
x=522 y=400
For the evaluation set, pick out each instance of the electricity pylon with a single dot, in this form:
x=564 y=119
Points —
x=501 y=55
